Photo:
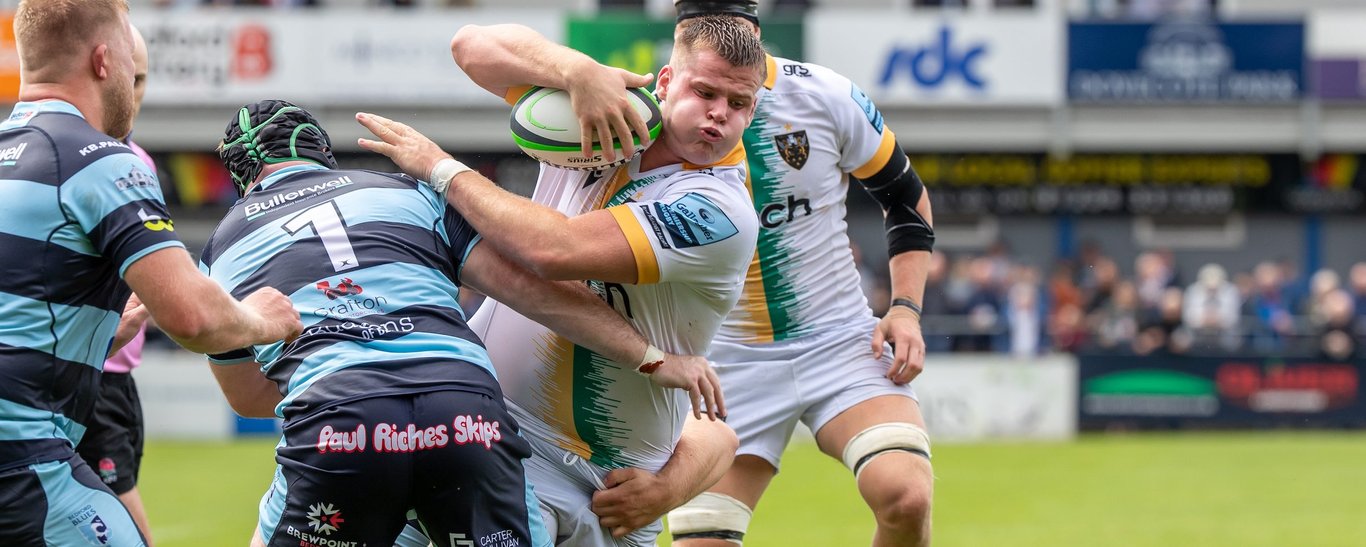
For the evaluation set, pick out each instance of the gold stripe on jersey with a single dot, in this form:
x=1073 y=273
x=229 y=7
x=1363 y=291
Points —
x=620 y=178
x=753 y=304
x=557 y=374
x=880 y=158
x=647 y=266
x=515 y=93
x=772 y=72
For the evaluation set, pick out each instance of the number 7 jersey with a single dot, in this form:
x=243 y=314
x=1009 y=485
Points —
x=692 y=230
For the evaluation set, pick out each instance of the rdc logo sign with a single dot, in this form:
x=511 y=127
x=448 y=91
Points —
x=931 y=65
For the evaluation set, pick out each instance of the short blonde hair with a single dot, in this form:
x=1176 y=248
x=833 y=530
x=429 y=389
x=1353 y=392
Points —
x=47 y=30
x=729 y=37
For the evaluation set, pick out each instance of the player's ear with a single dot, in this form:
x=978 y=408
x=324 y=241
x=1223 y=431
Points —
x=99 y=61
x=666 y=75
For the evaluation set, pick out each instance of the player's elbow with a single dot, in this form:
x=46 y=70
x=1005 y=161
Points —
x=553 y=263
x=250 y=408
x=189 y=326
x=469 y=45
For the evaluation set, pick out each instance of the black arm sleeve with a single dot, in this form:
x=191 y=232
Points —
x=898 y=189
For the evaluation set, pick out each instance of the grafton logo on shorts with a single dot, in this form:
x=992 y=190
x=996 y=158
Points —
x=324 y=518
x=88 y=522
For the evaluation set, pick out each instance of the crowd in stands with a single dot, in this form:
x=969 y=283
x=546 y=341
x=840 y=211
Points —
x=989 y=302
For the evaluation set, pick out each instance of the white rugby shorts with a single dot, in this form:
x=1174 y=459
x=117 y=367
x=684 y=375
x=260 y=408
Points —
x=770 y=386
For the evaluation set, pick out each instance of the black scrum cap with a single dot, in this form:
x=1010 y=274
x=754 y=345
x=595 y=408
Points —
x=749 y=9
x=269 y=132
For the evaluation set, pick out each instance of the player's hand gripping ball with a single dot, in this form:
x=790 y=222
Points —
x=546 y=128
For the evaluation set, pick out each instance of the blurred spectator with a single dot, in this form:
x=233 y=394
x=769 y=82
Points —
x=1267 y=303
x=1336 y=337
x=1212 y=307
x=1104 y=277
x=875 y=287
x=1062 y=290
x=1358 y=285
x=998 y=256
x=936 y=304
x=959 y=286
x=1152 y=277
x=1165 y=333
x=983 y=309
x=1025 y=313
x=1116 y=321
x=1068 y=327
x=1323 y=283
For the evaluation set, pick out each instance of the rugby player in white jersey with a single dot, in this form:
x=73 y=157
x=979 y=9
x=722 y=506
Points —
x=666 y=240
x=802 y=343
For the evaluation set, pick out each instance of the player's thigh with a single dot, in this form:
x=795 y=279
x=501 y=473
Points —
x=889 y=476
x=336 y=482
x=474 y=487
x=62 y=503
x=763 y=400
x=747 y=479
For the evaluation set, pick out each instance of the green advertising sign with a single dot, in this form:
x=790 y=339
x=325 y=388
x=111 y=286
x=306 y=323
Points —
x=641 y=44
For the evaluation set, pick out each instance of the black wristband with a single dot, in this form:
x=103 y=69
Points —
x=908 y=303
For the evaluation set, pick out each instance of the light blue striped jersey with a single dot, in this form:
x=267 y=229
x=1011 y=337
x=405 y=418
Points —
x=371 y=261
x=77 y=207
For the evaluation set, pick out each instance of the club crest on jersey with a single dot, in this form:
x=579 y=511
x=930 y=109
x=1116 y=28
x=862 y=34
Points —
x=794 y=147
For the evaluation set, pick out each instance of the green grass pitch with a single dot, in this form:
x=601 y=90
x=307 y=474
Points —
x=1178 y=489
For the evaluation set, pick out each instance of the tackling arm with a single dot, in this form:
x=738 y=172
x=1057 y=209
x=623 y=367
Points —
x=574 y=312
x=568 y=308
x=196 y=313
x=541 y=239
x=249 y=392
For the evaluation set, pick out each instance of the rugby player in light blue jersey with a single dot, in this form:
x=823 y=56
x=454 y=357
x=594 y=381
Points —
x=389 y=399
x=79 y=211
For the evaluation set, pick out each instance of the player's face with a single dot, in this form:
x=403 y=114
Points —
x=707 y=105
x=116 y=91
x=139 y=71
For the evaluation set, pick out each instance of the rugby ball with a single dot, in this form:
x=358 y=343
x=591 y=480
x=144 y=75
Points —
x=545 y=127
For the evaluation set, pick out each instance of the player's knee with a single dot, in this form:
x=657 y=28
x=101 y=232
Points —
x=907 y=511
x=711 y=516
